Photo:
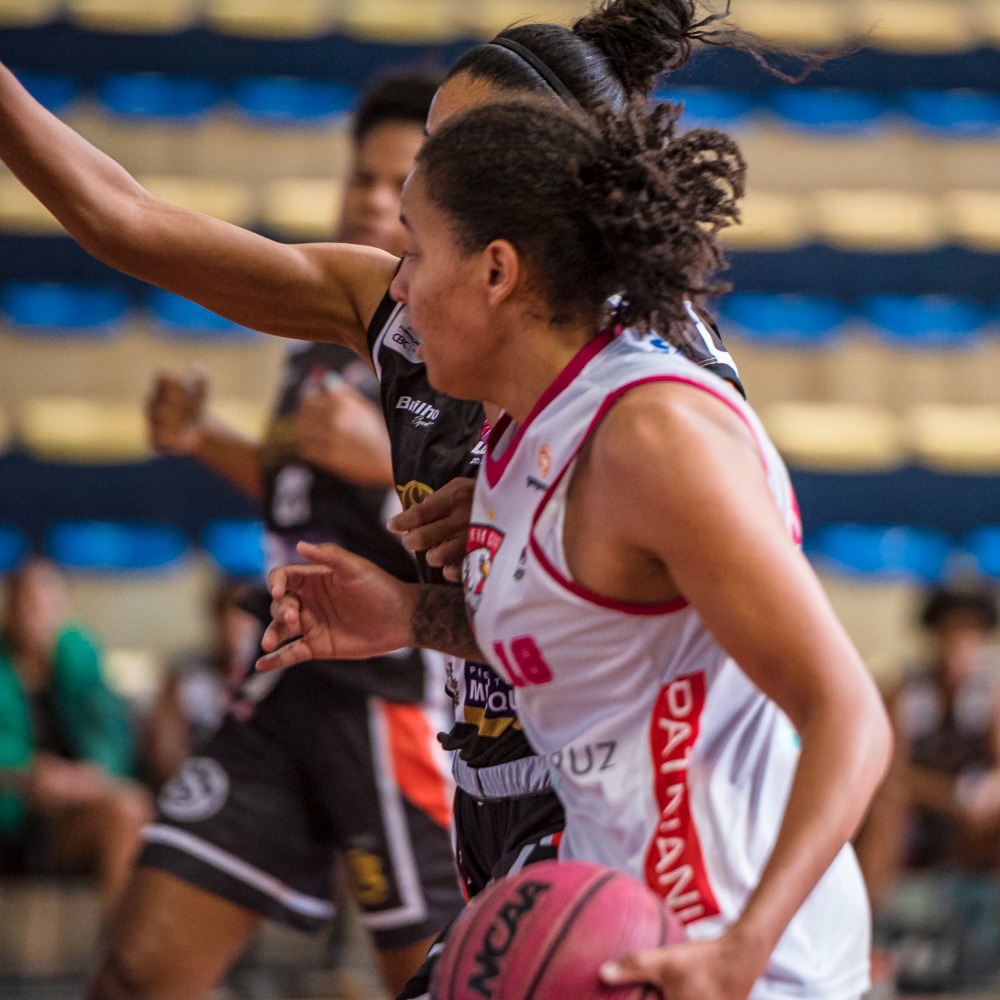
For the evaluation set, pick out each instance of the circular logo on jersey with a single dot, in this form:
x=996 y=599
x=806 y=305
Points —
x=484 y=543
x=544 y=460
x=199 y=791
x=413 y=493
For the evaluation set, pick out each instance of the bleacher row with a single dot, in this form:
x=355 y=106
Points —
x=914 y=25
x=33 y=309
x=869 y=219
x=236 y=547
x=296 y=101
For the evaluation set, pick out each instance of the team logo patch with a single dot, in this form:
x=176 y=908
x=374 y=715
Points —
x=413 y=493
x=198 y=792
x=368 y=877
x=544 y=460
x=484 y=543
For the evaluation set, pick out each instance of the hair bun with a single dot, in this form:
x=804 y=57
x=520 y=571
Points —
x=641 y=38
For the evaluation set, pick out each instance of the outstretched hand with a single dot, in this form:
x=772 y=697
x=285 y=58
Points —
x=691 y=970
x=438 y=526
x=340 y=607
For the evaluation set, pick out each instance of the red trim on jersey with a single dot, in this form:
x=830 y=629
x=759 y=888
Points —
x=626 y=607
x=674 y=866
x=494 y=467
x=592 y=597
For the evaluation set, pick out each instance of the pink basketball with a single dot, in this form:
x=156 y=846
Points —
x=543 y=934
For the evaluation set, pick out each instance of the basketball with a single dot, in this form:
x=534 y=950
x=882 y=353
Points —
x=544 y=933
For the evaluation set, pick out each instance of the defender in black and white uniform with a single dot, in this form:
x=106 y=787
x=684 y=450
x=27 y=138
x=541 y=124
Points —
x=256 y=818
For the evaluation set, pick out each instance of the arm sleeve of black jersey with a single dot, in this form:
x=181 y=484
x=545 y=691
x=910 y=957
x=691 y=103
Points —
x=379 y=320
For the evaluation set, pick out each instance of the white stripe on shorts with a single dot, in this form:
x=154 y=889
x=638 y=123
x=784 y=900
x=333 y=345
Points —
x=414 y=906
x=297 y=902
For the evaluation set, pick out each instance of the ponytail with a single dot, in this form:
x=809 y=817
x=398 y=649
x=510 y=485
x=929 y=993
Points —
x=658 y=199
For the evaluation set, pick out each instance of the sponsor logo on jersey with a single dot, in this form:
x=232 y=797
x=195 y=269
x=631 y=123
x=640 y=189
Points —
x=413 y=493
x=423 y=414
x=544 y=460
x=590 y=759
x=484 y=543
x=675 y=868
x=536 y=484
x=490 y=702
x=198 y=792
x=500 y=935
x=404 y=341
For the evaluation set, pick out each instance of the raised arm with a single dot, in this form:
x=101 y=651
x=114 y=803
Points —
x=720 y=542
x=325 y=292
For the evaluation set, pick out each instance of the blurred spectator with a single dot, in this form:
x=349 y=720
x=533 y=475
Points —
x=66 y=746
x=940 y=805
x=198 y=688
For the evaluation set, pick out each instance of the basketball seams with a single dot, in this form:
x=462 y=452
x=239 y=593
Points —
x=651 y=992
x=567 y=924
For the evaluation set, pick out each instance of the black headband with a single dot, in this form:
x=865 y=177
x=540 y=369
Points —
x=537 y=64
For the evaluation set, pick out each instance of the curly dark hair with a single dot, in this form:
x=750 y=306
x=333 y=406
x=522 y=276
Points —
x=603 y=204
x=617 y=51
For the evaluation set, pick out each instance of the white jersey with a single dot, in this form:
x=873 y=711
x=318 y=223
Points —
x=672 y=766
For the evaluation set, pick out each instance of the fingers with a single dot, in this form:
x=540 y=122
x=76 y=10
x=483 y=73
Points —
x=285 y=622
x=454 y=500
x=287 y=656
x=326 y=555
x=450 y=553
x=639 y=967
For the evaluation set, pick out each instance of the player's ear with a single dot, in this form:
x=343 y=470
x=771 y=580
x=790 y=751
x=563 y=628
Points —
x=502 y=266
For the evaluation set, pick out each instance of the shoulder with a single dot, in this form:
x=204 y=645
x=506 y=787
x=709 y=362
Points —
x=668 y=418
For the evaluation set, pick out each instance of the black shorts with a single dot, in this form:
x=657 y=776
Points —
x=493 y=838
x=317 y=771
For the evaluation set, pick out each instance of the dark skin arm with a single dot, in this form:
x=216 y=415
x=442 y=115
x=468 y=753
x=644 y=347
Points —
x=344 y=607
x=325 y=292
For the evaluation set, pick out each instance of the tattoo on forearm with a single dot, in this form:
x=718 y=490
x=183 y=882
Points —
x=440 y=622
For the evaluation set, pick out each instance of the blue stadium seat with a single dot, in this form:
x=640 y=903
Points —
x=50 y=90
x=709 y=108
x=13 y=547
x=957 y=112
x=830 y=111
x=79 y=310
x=885 y=553
x=116 y=547
x=283 y=100
x=932 y=321
x=236 y=546
x=784 y=320
x=984 y=545
x=181 y=317
x=156 y=95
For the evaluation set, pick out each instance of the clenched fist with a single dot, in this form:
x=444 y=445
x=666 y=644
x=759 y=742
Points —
x=175 y=412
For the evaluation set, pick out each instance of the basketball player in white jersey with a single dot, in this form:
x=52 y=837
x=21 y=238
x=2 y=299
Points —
x=633 y=567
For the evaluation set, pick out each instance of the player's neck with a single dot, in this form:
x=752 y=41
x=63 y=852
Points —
x=532 y=362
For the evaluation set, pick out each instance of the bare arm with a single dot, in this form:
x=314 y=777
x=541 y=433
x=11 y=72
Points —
x=310 y=292
x=719 y=538
x=343 y=607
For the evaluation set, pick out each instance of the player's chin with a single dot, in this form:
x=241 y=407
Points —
x=449 y=378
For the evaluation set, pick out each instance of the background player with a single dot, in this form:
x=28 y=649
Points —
x=648 y=598
x=342 y=757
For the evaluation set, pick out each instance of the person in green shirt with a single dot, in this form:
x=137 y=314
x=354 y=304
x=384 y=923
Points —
x=67 y=754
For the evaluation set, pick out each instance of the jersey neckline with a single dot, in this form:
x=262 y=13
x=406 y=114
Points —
x=494 y=467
